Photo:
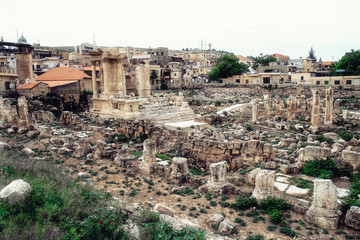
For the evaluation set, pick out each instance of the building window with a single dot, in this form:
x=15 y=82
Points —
x=317 y=82
x=42 y=92
x=238 y=80
x=247 y=81
x=7 y=85
x=348 y=82
x=326 y=82
x=302 y=78
x=337 y=82
x=266 y=80
x=175 y=74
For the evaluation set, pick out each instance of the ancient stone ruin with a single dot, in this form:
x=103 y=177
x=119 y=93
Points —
x=264 y=185
x=218 y=183
x=324 y=209
x=149 y=157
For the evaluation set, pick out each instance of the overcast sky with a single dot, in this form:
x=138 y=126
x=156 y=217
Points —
x=245 y=27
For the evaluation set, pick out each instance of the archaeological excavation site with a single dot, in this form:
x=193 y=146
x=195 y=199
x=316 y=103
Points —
x=130 y=160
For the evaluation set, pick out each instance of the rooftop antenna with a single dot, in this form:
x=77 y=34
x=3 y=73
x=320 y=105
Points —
x=17 y=35
x=94 y=40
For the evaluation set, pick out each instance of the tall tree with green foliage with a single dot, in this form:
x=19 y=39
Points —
x=154 y=74
x=350 y=62
x=263 y=60
x=227 y=66
x=312 y=54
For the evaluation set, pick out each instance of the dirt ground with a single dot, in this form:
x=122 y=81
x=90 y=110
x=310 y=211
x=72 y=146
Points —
x=148 y=190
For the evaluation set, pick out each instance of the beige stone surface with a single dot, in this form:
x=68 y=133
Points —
x=324 y=209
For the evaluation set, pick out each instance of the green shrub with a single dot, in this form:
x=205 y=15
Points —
x=208 y=196
x=321 y=139
x=249 y=128
x=287 y=231
x=256 y=237
x=345 y=135
x=240 y=221
x=272 y=204
x=276 y=217
x=133 y=193
x=271 y=228
x=195 y=171
x=252 y=213
x=162 y=230
x=122 y=138
x=224 y=204
x=100 y=225
x=320 y=168
x=137 y=153
x=213 y=203
x=57 y=207
x=217 y=103
x=162 y=156
x=149 y=217
x=243 y=203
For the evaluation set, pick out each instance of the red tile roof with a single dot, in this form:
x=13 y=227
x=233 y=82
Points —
x=62 y=73
x=52 y=83
x=28 y=86
x=328 y=63
x=277 y=55
x=242 y=58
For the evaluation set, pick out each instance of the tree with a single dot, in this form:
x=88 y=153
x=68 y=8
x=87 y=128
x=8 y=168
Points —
x=154 y=74
x=227 y=66
x=263 y=60
x=350 y=62
x=312 y=54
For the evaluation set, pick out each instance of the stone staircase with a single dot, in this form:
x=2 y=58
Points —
x=165 y=112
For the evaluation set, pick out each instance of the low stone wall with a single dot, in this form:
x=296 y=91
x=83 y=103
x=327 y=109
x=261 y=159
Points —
x=205 y=150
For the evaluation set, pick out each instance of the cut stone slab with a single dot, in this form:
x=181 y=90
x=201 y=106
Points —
x=185 y=124
x=296 y=191
x=282 y=175
x=342 y=192
x=233 y=107
x=281 y=186
x=282 y=179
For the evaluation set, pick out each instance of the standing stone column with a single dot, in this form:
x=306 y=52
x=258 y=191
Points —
x=329 y=106
x=106 y=77
x=5 y=111
x=264 y=185
x=179 y=169
x=255 y=109
x=277 y=107
x=94 y=79
x=337 y=109
x=324 y=210
x=218 y=183
x=149 y=157
x=23 y=113
x=267 y=106
x=315 y=112
x=291 y=108
x=14 y=117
